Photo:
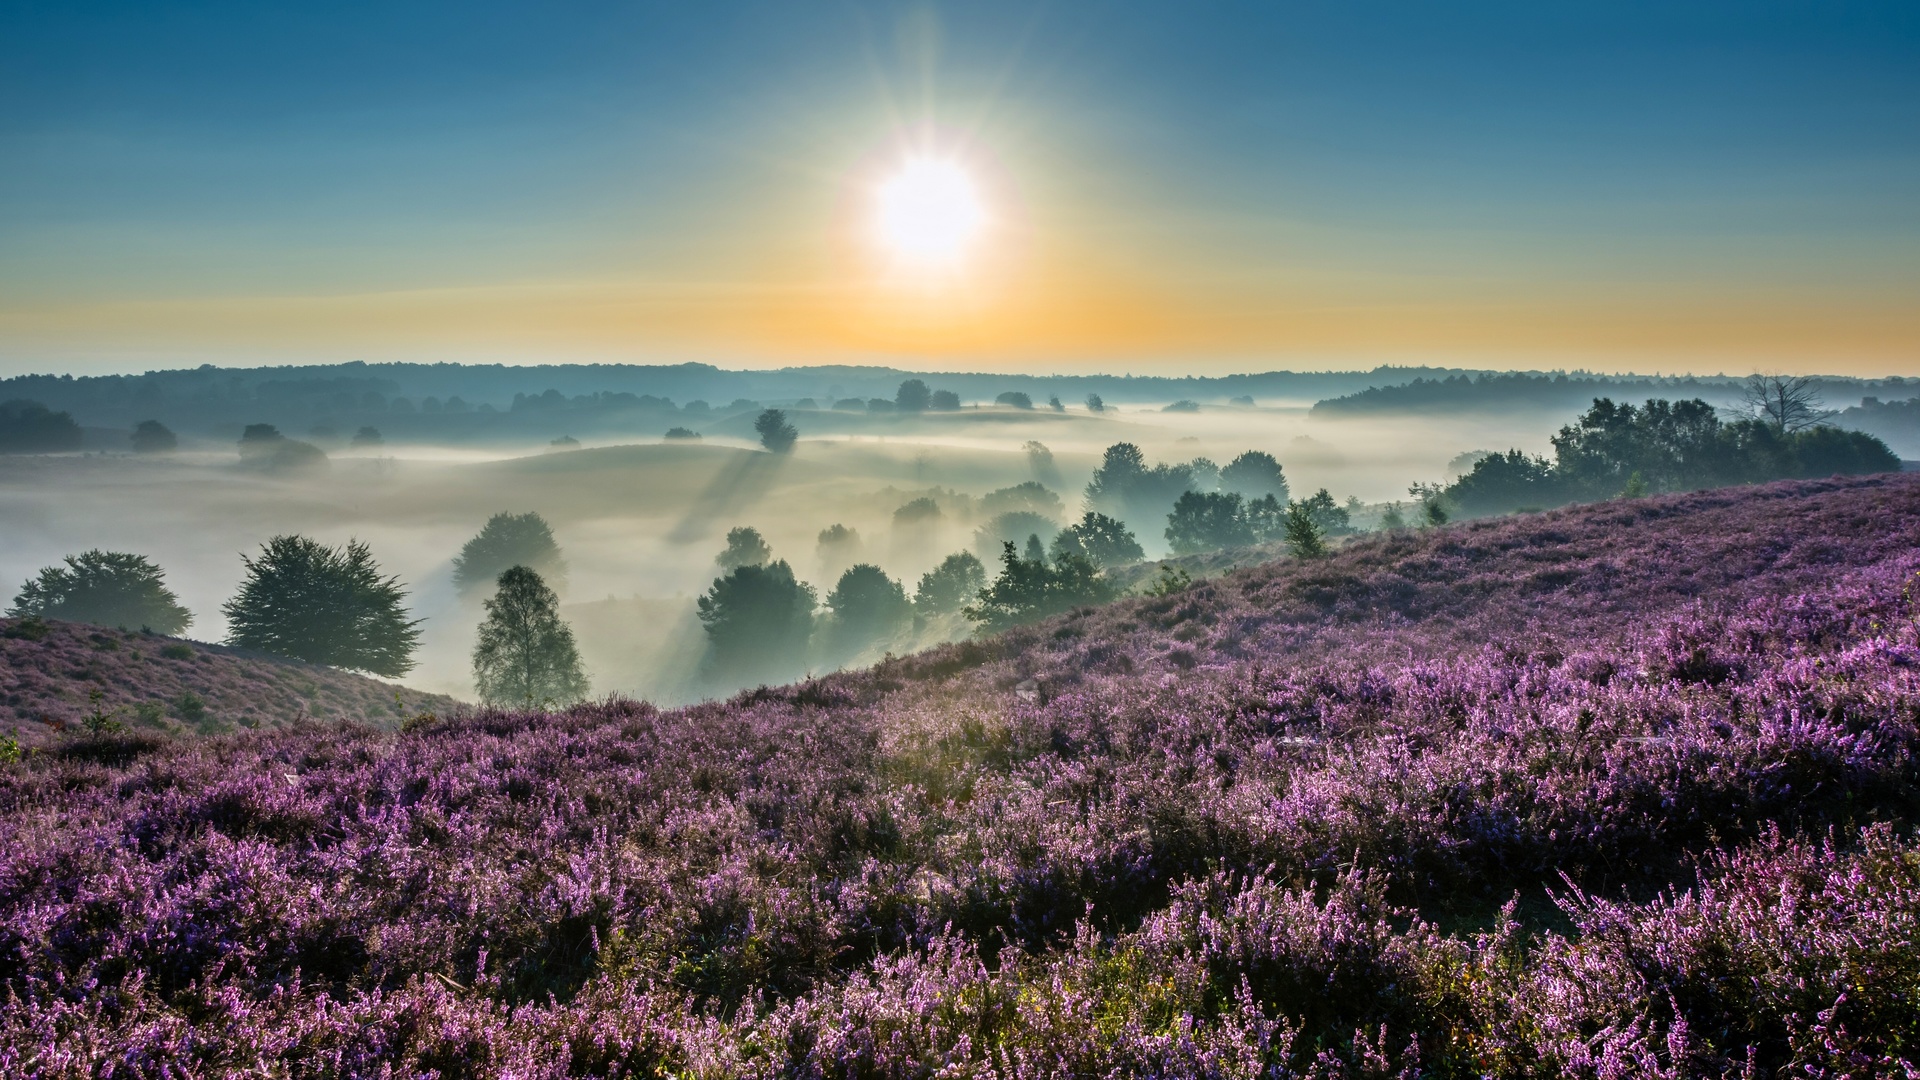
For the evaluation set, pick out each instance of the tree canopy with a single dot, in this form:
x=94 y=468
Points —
x=775 y=433
x=1107 y=541
x=1031 y=588
x=745 y=547
x=1207 y=521
x=758 y=620
x=304 y=600
x=951 y=585
x=1255 y=474
x=107 y=588
x=913 y=396
x=525 y=654
x=508 y=540
x=867 y=606
x=153 y=437
x=28 y=427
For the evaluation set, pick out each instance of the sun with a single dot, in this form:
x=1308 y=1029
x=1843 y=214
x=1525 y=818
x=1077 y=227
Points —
x=928 y=214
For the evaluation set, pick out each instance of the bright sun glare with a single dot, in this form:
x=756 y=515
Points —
x=928 y=213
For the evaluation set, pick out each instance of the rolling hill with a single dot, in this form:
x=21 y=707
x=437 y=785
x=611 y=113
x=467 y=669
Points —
x=1621 y=789
x=53 y=675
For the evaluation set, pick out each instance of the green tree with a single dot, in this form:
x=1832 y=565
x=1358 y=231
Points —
x=1433 y=504
x=107 y=588
x=913 y=396
x=1030 y=495
x=525 y=655
x=744 y=548
x=1255 y=474
x=775 y=433
x=1303 y=535
x=1107 y=541
x=1029 y=589
x=508 y=540
x=304 y=600
x=867 y=606
x=153 y=437
x=943 y=401
x=758 y=620
x=948 y=587
x=1095 y=404
x=1333 y=519
x=1015 y=398
x=1207 y=522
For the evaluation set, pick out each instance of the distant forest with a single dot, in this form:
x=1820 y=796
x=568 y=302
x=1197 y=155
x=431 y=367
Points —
x=458 y=402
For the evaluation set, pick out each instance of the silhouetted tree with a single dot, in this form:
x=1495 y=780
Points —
x=1125 y=487
x=836 y=548
x=153 y=437
x=1107 y=541
x=1787 y=403
x=775 y=433
x=107 y=588
x=1331 y=517
x=913 y=396
x=918 y=512
x=1029 y=589
x=525 y=655
x=1095 y=404
x=744 y=548
x=1255 y=474
x=867 y=606
x=681 y=433
x=1014 y=398
x=1207 y=522
x=1432 y=499
x=1054 y=404
x=263 y=447
x=368 y=436
x=758 y=620
x=505 y=541
x=325 y=605
x=951 y=585
x=943 y=401
x=1304 y=537
x=28 y=427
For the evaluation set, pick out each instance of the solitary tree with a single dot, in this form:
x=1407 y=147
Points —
x=1015 y=525
x=153 y=437
x=1787 y=402
x=107 y=588
x=1054 y=404
x=525 y=654
x=867 y=606
x=1303 y=535
x=758 y=619
x=1040 y=460
x=505 y=541
x=263 y=447
x=744 y=548
x=1094 y=404
x=913 y=396
x=325 y=605
x=1107 y=541
x=775 y=433
x=943 y=401
x=1332 y=518
x=1015 y=398
x=368 y=436
x=948 y=587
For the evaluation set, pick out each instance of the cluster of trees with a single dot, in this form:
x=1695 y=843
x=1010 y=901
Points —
x=28 y=427
x=1615 y=449
x=1209 y=521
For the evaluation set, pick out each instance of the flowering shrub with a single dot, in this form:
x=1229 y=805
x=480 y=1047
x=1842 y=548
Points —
x=1620 y=790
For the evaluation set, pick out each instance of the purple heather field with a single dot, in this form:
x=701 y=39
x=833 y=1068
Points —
x=1626 y=789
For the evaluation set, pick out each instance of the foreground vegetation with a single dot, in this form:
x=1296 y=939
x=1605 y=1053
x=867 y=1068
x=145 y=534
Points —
x=1627 y=789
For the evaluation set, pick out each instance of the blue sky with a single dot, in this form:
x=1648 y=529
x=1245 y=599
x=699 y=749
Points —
x=1234 y=185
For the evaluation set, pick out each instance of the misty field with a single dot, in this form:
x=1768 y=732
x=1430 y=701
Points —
x=640 y=522
x=1623 y=789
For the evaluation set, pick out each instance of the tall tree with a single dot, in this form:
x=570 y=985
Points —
x=758 y=620
x=1788 y=403
x=948 y=587
x=525 y=655
x=913 y=396
x=1107 y=541
x=1207 y=522
x=508 y=540
x=775 y=433
x=867 y=606
x=1303 y=536
x=107 y=588
x=1255 y=474
x=325 y=605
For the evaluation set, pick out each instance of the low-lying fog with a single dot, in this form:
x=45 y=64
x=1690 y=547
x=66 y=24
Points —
x=640 y=523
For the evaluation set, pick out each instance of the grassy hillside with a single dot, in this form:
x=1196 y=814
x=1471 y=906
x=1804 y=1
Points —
x=1627 y=789
x=53 y=675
